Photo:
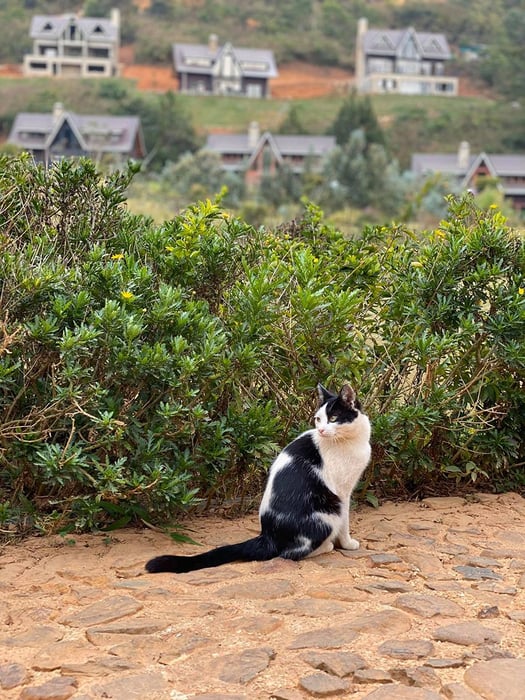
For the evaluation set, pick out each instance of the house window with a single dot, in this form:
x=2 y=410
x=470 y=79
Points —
x=254 y=90
x=388 y=85
x=254 y=65
x=198 y=62
x=410 y=50
x=379 y=65
x=98 y=52
x=72 y=50
x=408 y=67
x=444 y=87
x=32 y=136
x=267 y=160
x=116 y=136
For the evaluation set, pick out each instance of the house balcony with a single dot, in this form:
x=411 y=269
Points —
x=410 y=84
x=68 y=66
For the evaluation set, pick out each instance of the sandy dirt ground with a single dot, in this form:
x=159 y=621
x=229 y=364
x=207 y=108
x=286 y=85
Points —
x=436 y=592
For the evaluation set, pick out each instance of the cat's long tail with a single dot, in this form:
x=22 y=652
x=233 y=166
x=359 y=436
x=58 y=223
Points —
x=257 y=549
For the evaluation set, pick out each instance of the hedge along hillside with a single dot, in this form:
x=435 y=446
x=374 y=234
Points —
x=143 y=366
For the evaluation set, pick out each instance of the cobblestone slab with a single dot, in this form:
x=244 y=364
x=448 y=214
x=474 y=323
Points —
x=431 y=607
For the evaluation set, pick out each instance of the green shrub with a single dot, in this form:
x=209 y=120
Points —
x=143 y=365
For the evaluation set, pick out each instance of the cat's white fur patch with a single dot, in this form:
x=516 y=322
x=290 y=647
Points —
x=281 y=461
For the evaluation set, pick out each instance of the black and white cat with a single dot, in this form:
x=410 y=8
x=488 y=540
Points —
x=305 y=506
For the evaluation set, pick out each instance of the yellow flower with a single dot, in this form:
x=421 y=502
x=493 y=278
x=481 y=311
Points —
x=127 y=296
x=117 y=256
x=439 y=233
x=493 y=206
x=521 y=291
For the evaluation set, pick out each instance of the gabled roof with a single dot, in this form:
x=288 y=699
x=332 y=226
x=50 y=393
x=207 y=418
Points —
x=389 y=42
x=200 y=58
x=53 y=26
x=106 y=134
x=498 y=164
x=266 y=140
x=283 y=145
x=446 y=163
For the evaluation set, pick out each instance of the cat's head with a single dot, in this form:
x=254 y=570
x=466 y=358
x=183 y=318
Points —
x=337 y=413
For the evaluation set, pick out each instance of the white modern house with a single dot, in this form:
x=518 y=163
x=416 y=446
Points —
x=71 y=45
x=402 y=61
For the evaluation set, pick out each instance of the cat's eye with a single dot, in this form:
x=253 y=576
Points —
x=332 y=419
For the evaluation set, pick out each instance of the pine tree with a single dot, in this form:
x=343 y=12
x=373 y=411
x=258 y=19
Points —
x=357 y=113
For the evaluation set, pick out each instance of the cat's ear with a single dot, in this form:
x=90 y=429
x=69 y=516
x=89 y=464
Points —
x=347 y=396
x=324 y=395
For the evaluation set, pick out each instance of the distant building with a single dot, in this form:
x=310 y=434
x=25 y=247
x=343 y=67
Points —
x=255 y=155
x=73 y=46
x=210 y=69
x=61 y=134
x=467 y=170
x=402 y=61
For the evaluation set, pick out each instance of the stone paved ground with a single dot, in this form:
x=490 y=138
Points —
x=432 y=606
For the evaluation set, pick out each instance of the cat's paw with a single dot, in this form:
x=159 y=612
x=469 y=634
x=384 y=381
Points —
x=350 y=544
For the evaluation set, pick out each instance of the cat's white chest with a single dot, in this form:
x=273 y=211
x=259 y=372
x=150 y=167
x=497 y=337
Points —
x=338 y=469
x=344 y=460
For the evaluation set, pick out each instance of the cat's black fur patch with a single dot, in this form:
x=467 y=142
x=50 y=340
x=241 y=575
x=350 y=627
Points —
x=335 y=408
x=300 y=490
x=304 y=449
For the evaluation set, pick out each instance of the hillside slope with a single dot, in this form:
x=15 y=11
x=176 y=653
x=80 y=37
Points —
x=296 y=80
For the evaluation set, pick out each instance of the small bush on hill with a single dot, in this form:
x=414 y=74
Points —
x=142 y=366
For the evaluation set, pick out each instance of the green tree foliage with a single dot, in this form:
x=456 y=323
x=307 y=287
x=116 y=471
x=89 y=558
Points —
x=102 y=8
x=199 y=176
x=167 y=126
x=357 y=113
x=292 y=123
x=503 y=65
x=281 y=187
x=362 y=174
x=143 y=365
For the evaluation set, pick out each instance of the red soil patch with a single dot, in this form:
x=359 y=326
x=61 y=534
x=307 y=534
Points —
x=303 y=81
x=10 y=70
x=151 y=78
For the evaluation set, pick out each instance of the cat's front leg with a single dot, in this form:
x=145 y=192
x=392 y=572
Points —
x=343 y=535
